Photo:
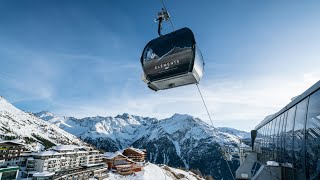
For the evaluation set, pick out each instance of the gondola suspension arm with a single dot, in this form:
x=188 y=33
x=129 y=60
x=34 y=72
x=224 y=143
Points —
x=162 y=15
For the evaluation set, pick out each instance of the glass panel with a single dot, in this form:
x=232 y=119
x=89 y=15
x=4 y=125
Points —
x=277 y=138
x=282 y=137
x=270 y=141
x=313 y=134
x=289 y=136
x=262 y=139
x=265 y=142
x=298 y=139
x=258 y=139
x=177 y=41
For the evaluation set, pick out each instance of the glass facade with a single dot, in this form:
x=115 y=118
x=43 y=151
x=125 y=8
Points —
x=312 y=137
x=292 y=139
x=298 y=139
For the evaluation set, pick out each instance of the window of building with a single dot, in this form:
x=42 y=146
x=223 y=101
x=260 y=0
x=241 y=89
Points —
x=264 y=152
x=288 y=153
x=277 y=137
x=9 y=175
x=282 y=137
x=312 y=137
x=298 y=139
x=270 y=140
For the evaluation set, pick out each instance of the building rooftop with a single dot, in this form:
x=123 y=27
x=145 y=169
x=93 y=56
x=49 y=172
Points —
x=47 y=153
x=67 y=147
x=12 y=142
x=137 y=150
x=93 y=165
x=111 y=155
x=43 y=174
x=25 y=154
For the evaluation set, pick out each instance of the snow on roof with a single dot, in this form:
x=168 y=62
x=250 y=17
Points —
x=67 y=147
x=44 y=173
x=123 y=165
x=111 y=155
x=272 y=163
x=79 y=152
x=47 y=153
x=137 y=150
x=25 y=154
x=93 y=165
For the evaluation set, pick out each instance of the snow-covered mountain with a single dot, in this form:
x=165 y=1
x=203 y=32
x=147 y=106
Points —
x=17 y=124
x=238 y=133
x=178 y=141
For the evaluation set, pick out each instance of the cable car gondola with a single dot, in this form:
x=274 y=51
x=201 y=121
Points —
x=172 y=60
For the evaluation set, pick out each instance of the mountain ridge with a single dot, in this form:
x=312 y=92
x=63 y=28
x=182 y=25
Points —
x=178 y=141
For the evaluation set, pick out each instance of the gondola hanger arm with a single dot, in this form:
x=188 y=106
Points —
x=162 y=15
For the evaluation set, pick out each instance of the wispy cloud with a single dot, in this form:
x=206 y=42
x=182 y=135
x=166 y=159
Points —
x=238 y=104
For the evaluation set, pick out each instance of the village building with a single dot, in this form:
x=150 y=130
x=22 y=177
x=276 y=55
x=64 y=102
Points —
x=59 y=162
x=114 y=159
x=10 y=152
x=121 y=164
x=62 y=158
x=137 y=155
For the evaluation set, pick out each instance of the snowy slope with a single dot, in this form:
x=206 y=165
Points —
x=154 y=172
x=238 y=133
x=15 y=123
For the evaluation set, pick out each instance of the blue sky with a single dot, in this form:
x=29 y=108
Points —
x=81 y=58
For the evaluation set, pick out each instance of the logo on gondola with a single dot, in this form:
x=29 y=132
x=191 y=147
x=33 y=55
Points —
x=167 y=65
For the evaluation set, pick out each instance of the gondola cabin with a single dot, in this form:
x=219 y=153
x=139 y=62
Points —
x=172 y=60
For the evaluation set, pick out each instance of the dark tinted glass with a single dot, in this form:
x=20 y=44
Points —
x=288 y=154
x=178 y=41
x=265 y=142
x=271 y=144
x=270 y=141
x=262 y=144
x=264 y=152
x=169 y=55
x=313 y=137
x=9 y=175
x=298 y=139
x=257 y=144
x=277 y=138
x=282 y=137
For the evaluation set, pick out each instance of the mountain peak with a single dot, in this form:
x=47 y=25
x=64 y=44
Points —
x=45 y=115
x=124 y=116
x=181 y=116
